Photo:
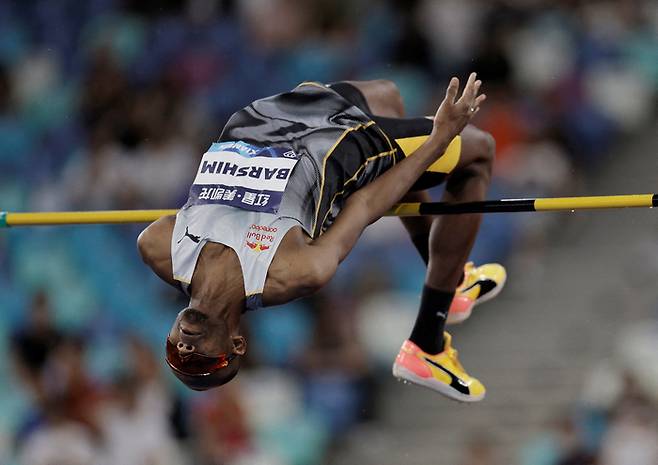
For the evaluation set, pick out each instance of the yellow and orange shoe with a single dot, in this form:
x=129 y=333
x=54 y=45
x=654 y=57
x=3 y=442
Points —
x=441 y=372
x=481 y=283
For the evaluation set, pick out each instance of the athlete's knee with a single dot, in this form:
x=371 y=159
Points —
x=488 y=147
x=485 y=146
x=388 y=98
x=392 y=94
x=479 y=149
x=478 y=153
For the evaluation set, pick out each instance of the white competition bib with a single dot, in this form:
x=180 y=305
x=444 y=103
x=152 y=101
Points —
x=244 y=176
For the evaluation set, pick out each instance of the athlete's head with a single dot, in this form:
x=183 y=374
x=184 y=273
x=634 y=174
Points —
x=201 y=351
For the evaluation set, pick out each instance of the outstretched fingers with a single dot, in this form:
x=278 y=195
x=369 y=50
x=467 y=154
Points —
x=470 y=93
x=453 y=115
x=470 y=88
x=451 y=91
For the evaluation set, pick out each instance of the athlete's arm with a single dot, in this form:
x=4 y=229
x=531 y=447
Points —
x=450 y=120
x=154 y=245
x=371 y=202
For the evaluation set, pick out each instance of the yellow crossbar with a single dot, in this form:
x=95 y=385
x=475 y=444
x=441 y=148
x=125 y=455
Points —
x=402 y=209
x=89 y=217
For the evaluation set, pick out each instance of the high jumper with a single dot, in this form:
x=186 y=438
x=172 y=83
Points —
x=283 y=196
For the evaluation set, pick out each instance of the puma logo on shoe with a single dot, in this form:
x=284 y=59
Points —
x=486 y=285
x=455 y=382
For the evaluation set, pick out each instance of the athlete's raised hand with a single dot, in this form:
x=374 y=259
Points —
x=453 y=115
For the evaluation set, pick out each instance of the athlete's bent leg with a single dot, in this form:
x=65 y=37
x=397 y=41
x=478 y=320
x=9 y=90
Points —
x=381 y=98
x=418 y=227
x=452 y=236
x=471 y=153
x=427 y=358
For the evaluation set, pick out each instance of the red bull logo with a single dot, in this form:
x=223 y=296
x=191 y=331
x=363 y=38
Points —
x=257 y=246
x=260 y=237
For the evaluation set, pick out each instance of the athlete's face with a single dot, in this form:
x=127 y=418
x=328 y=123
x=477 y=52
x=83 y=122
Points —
x=199 y=333
x=200 y=350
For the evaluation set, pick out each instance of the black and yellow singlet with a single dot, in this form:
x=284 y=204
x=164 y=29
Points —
x=340 y=146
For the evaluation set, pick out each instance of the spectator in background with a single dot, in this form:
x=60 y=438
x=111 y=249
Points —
x=480 y=450
x=135 y=430
x=95 y=179
x=67 y=379
x=153 y=393
x=145 y=367
x=263 y=19
x=631 y=438
x=562 y=444
x=162 y=165
x=632 y=430
x=32 y=344
x=5 y=91
x=60 y=440
x=334 y=364
x=106 y=96
x=219 y=423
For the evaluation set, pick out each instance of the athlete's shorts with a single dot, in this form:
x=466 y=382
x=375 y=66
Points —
x=360 y=158
x=407 y=135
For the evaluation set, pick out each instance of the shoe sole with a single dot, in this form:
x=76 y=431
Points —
x=402 y=374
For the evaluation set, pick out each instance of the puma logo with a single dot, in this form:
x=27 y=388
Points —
x=455 y=381
x=191 y=236
x=486 y=285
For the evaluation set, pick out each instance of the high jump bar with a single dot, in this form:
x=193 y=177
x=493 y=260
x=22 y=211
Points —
x=8 y=219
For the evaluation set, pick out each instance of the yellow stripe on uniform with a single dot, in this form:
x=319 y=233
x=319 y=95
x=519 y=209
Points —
x=602 y=201
x=445 y=164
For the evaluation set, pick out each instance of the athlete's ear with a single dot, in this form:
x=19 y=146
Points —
x=239 y=345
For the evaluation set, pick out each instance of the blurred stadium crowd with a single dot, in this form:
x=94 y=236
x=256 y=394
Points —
x=615 y=420
x=110 y=104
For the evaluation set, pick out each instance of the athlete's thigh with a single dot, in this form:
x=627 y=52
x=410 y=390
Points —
x=408 y=134
x=475 y=146
x=377 y=97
